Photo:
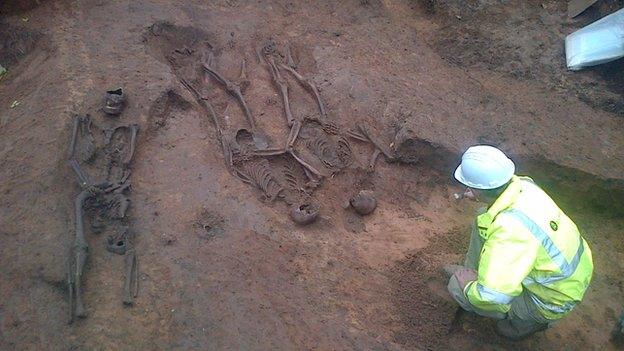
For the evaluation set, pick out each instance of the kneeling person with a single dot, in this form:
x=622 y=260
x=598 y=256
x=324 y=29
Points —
x=527 y=263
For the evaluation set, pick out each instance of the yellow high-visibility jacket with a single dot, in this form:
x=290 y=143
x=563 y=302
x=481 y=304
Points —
x=531 y=246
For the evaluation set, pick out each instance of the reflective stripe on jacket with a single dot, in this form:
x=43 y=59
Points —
x=530 y=245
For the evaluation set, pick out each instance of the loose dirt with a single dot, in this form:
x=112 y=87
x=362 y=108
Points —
x=223 y=268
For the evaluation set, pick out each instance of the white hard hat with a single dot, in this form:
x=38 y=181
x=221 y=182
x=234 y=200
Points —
x=484 y=167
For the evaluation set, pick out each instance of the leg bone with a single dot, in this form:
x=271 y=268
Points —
x=234 y=90
x=281 y=83
x=308 y=84
x=134 y=129
x=130 y=289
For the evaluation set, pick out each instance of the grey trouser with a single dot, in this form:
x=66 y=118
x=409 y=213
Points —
x=523 y=309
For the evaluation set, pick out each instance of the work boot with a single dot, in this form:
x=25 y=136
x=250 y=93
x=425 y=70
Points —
x=516 y=329
x=450 y=269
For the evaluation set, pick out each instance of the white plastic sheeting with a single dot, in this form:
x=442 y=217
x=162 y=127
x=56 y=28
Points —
x=599 y=42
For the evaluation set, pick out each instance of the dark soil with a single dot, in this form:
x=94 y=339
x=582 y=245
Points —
x=527 y=45
x=419 y=291
x=16 y=42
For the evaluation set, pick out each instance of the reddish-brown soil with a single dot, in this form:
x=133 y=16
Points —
x=219 y=268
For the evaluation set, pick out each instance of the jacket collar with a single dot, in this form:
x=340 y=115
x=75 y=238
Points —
x=504 y=201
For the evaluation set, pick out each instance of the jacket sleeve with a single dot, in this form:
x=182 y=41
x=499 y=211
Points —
x=507 y=257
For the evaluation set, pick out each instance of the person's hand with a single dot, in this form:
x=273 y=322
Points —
x=465 y=276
